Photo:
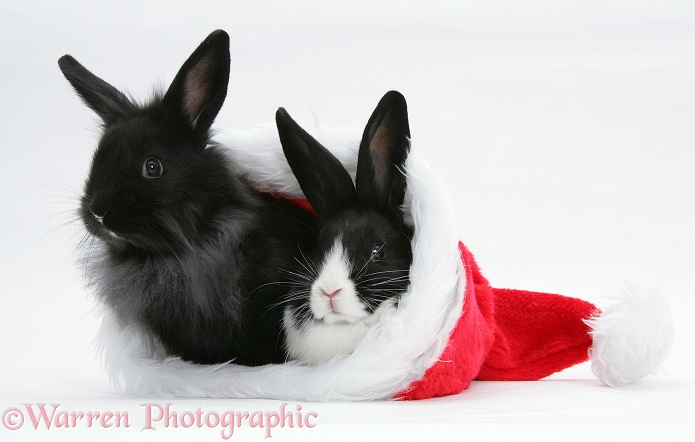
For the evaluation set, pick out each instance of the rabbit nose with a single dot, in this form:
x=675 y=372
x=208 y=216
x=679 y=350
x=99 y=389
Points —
x=99 y=218
x=331 y=294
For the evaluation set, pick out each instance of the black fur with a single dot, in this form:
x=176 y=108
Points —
x=364 y=216
x=191 y=257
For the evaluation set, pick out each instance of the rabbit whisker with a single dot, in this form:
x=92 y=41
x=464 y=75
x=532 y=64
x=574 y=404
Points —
x=299 y=275
x=274 y=283
x=385 y=280
x=390 y=271
x=309 y=262
x=295 y=297
x=65 y=187
x=304 y=266
x=58 y=227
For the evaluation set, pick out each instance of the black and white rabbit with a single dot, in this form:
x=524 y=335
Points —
x=362 y=261
x=185 y=251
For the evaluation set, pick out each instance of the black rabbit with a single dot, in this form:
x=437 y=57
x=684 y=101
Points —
x=185 y=251
x=362 y=260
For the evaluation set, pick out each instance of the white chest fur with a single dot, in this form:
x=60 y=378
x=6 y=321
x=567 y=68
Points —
x=316 y=342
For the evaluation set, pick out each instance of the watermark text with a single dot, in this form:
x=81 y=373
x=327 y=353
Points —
x=55 y=417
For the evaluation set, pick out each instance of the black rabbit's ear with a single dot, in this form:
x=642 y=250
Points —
x=107 y=101
x=384 y=148
x=200 y=87
x=324 y=181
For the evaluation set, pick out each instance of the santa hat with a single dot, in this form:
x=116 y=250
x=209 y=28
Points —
x=449 y=328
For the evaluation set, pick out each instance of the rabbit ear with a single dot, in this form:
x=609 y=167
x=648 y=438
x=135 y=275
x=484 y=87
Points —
x=107 y=101
x=200 y=87
x=385 y=144
x=323 y=179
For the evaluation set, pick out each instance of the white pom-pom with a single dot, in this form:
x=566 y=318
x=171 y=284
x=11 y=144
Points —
x=632 y=338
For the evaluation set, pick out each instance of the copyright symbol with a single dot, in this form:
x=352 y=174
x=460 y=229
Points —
x=13 y=419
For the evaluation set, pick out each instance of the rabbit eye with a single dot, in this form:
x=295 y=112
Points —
x=152 y=168
x=379 y=251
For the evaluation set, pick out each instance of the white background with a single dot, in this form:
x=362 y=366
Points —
x=565 y=130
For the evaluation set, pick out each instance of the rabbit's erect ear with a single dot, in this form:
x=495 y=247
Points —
x=200 y=87
x=324 y=181
x=107 y=101
x=384 y=148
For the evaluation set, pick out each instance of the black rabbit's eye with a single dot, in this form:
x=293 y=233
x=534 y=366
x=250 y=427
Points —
x=379 y=251
x=152 y=168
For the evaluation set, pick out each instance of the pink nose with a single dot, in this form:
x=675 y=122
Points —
x=330 y=295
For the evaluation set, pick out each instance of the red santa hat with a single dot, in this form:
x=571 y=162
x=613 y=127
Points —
x=450 y=327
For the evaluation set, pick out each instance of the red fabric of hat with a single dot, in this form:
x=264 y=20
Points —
x=507 y=335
